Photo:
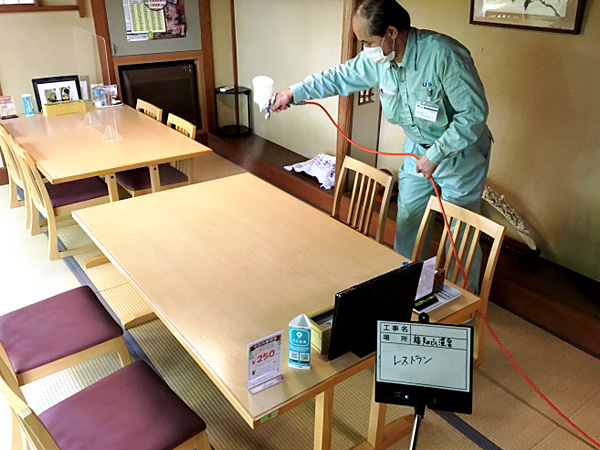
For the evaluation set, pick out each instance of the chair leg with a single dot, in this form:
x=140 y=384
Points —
x=122 y=352
x=13 y=199
x=19 y=441
x=53 y=253
x=478 y=338
x=35 y=222
x=202 y=442
x=198 y=442
x=27 y=212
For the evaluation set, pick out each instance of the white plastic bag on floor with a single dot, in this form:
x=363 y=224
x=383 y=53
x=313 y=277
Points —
x=321 y=166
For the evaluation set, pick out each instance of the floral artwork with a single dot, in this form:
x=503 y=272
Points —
x=556 y=8
x=562 y=16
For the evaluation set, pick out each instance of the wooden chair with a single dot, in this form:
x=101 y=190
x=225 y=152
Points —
x=181 y=125
x=56 y=202
x=149 y=109
x=467 y=229
x=15 y=177
x=176 y=174
x=364 y=191
x=131 y=408
x=55 y=334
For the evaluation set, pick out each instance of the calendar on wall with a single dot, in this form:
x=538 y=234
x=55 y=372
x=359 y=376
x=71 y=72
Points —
x=154 y=19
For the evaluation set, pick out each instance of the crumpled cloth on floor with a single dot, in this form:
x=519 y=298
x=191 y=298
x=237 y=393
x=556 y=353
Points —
x=321 y=166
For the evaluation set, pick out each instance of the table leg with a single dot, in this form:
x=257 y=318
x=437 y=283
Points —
x=379 y=435
x=154 y=178
x=113 y=190
x=323 y=419
x=376 y=422
x=190 y=167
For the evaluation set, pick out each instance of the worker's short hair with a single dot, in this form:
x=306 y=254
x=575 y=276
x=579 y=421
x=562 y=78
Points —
x=382 y=14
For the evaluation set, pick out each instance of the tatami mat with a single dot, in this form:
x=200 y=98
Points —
x=27 y=275
x=506 y=412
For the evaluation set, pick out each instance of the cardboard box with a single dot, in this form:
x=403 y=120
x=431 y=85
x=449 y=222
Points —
x=56 y=109
x=320 y=335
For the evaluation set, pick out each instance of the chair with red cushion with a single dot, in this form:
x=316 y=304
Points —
x=54 y=334
x=56 y=202
x=131 y=408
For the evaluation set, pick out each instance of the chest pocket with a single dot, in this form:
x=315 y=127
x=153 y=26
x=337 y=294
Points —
x=390 y=101
x=431 y=96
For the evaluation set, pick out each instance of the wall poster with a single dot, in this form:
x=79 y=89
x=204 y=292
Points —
x=154 y=19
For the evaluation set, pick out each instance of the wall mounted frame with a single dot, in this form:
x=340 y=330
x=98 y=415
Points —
x=558 y=16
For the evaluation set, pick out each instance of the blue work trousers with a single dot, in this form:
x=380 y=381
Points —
x=460 y=179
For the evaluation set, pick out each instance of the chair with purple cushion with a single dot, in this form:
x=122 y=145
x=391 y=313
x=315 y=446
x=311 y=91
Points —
x=15 y=178
x=131 y=408
x=56 y=202
x=54 y=334
x=172 y=175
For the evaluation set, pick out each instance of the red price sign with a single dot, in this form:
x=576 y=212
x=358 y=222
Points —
x=264 y=359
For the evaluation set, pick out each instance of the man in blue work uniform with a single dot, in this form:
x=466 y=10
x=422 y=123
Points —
x=430 y=87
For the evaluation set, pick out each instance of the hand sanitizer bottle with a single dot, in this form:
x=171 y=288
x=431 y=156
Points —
x=299 y=343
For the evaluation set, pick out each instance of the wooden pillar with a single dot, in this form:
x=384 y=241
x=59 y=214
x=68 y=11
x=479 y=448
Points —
x=209 y=68
x=105 y=52
x=346 y=103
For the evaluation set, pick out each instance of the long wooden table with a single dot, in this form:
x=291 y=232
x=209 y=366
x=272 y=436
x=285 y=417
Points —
x=228 y=261
x=66 y=150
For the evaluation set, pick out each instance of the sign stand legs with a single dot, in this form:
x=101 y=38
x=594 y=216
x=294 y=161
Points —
x=419 y=413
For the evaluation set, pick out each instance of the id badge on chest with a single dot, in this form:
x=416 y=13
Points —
x=426 y=111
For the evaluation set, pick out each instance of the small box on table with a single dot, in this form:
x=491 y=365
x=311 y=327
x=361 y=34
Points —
x=56 y=109
x=321 y=323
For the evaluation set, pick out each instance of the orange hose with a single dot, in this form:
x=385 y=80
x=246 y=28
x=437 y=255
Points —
x=482 y=315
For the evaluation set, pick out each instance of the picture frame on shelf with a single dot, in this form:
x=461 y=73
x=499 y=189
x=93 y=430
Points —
x=56 y=89
x=559 y=16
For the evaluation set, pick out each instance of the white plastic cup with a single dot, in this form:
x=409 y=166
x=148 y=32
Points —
x=263 y=90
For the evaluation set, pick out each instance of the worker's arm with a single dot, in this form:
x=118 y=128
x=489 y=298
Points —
x=353 y=76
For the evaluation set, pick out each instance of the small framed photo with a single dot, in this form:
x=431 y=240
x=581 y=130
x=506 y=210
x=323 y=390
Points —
x=559 y=16
x=56 y=89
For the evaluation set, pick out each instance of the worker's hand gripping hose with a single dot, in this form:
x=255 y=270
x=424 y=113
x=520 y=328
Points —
x=483 y=317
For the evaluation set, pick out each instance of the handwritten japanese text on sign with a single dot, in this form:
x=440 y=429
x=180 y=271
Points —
x=436 y=356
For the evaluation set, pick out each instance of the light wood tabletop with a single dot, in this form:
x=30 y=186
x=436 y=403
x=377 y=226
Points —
x=65 y=150
x=228 y=261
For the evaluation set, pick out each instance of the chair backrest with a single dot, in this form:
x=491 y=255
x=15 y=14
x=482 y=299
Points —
x=149 y=109
x=467 y=229
x=34 y=429
x=364 y=191
x=12 y=165
x=38 y=194
x=181 y=125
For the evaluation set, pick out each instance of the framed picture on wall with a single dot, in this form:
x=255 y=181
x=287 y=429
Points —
x=559 y=16
x=56 y=89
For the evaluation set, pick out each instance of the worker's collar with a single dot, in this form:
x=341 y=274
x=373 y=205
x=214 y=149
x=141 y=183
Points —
x=409 y=60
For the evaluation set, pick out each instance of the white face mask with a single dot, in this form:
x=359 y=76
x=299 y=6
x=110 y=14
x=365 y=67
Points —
x=375 y=54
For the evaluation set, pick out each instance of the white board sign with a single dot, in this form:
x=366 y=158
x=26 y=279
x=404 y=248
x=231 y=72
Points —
x=426 y=355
